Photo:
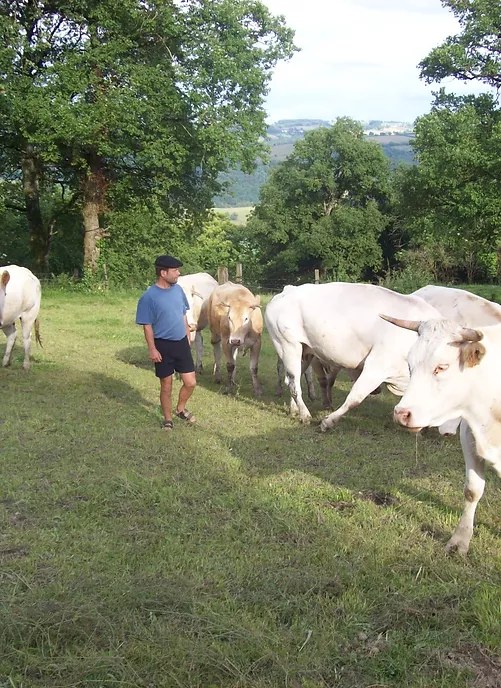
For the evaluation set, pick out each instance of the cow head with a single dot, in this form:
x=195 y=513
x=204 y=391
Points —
x=440 y=365
x=239 y=318
x=4 y=280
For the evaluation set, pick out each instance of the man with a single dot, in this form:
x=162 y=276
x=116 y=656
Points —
x=162 y=313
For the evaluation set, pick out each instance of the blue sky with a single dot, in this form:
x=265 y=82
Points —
x=359 y=58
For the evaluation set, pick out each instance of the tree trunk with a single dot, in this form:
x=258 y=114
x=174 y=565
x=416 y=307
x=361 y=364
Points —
x=93 y=201
x=39 y=237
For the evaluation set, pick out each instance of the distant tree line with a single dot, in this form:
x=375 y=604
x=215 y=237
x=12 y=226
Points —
x=243 y=189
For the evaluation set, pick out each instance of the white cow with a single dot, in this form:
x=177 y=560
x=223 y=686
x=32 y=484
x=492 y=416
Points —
x=339 y=323
x=464 y=308
x=456 y=372
x=461 y=306
x=197 y=287
x=20 y=295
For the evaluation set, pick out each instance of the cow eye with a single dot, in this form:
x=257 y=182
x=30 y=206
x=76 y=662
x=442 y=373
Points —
x=441 y=368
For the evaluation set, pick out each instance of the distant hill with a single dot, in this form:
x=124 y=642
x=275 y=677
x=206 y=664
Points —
x=394 y=138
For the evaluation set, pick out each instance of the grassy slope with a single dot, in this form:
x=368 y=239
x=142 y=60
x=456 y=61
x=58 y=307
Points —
x=246 y=551
x=241 y=213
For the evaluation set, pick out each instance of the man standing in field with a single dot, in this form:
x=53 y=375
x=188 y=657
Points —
x=162 y=313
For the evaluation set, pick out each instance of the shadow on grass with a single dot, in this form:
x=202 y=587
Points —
x=61 y=393
x=136 y=356
x=351 y=458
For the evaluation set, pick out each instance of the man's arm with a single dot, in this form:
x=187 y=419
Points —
x=188 y=332
x=155 y=355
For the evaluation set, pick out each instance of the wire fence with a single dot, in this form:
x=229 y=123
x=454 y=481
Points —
x=258 y=286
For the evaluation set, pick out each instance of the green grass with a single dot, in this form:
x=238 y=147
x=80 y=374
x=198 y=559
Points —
x=238 y=215
x=247 y=551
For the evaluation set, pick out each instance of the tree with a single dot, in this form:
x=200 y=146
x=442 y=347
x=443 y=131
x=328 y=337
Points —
x=474 y=54
x=452 y=197
x=323 y=206
x=127 y=100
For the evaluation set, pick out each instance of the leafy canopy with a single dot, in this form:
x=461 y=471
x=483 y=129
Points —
x=475 y=52
x=322 y=207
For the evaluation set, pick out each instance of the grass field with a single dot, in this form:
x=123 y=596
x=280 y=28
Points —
x=244 y=552
x=238 y=215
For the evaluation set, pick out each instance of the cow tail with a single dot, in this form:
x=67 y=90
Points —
x=37 y=332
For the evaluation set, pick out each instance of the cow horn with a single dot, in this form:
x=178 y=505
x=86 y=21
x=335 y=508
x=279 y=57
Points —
x=406 y=324
x=4 y=280
x=469 y=335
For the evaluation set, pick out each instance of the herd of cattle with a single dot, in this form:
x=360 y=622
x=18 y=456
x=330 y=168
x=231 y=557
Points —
x=438 y=348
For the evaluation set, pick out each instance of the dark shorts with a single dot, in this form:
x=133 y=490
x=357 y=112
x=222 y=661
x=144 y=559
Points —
x=176 y=357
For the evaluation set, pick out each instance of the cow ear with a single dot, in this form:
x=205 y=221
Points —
x=471 y=354
x=4 y=280
x=258 y=301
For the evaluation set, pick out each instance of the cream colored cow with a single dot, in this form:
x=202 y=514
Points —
x=236 y=324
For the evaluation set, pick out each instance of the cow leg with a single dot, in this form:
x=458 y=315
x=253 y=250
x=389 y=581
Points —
x=291 y=357
x=280 y=376
x=253 y=365
x=326 y=381
x=368 y=380
x=355 y=374
x=216 y=344
x=473 y=491
x=230 y=353
x=306 y=367
x=199 y=352
x=11 y=334
x=28 y=320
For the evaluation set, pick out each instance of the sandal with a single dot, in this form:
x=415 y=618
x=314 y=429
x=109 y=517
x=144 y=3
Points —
x=167 y=425
x=186 y=415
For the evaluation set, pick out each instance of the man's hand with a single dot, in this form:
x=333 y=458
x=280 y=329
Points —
x=155 y=356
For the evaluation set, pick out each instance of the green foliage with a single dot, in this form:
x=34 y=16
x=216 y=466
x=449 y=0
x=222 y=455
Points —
x=452 y=198
x=127 y=102
x=323 y=206
x=243 y=189
x=475 y=52
x=215 y=245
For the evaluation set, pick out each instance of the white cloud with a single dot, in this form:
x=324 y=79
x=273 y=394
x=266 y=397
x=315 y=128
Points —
x=359 y=58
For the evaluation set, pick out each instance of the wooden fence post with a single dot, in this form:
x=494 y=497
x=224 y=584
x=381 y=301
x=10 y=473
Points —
x=239 y=273
x=222 y=274
x=317 y=276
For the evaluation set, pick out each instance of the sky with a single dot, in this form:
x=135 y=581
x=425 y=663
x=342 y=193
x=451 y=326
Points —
x=359 y=59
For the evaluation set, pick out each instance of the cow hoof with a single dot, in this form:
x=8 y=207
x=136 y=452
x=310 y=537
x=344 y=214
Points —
x=199 y=370
x=456 y=547
x=306 y=420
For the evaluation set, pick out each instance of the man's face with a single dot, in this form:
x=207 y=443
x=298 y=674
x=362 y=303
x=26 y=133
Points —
x=170 y=275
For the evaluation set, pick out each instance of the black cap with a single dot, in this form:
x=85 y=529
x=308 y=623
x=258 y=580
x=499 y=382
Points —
x=167 y=262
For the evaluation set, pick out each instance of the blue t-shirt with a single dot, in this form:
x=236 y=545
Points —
x=164 y=310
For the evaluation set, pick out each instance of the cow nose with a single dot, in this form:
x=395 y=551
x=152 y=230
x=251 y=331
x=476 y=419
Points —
x=236 y=341
x=402 y=416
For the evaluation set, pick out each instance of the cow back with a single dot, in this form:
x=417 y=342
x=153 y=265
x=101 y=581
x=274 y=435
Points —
x=22 y=293
x=461 y=306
